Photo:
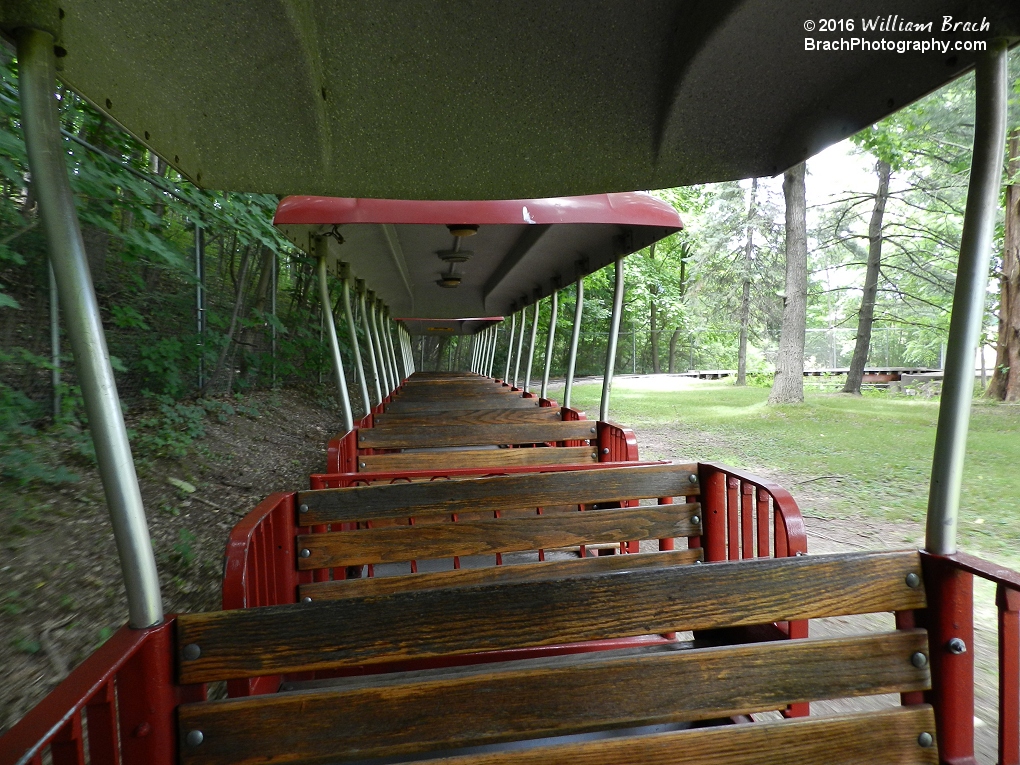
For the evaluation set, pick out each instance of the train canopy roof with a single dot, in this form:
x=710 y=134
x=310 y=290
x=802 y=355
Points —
x=435 y=99
x=453 y=259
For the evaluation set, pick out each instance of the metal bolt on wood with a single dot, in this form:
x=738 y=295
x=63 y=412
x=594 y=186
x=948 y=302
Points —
x=192 y=651
x=194 y=737
x=913 y=580
x=305 y=553
x=303 y=509
x=919 y=660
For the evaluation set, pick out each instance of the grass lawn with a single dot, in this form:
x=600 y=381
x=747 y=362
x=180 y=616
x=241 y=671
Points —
x=880 y=446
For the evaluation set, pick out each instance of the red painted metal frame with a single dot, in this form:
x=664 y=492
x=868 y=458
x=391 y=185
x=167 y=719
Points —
x=626 y=208
x=743 y=513
x=126 y=690
x=949 y=581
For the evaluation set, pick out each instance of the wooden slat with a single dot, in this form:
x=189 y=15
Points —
x=275 y=639
x=495 y=535
x=469 y=458
x=362 y=503
x=470 y=417
x=453 y=402
x=523 y=572
x=386 y=715
x=437 y=435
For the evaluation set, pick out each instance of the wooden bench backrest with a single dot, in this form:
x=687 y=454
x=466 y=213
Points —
x=498 y=493
x=509 y=401
x=402 y=436
x=476 y=458
x=446 y=417
x=424 y=712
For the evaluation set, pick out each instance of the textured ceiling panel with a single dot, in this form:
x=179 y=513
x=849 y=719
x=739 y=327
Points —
x=434 y=99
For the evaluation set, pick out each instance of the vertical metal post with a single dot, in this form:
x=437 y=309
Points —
x=46 y=159
x=391 y=374
x=352 y=331
x=200 y=302
x=520 y=344
x=492 y=350
x=531 y=349
x=614 y=336
x=384 y=377
x=510 y=346
x=405 y=343
x=553 y=311
x=54 y=342
x=574 y=338
x=475 y=341
x=390 y=353
x=968 y=300
x=368 y=342
x=334 y=341
x=272 y=310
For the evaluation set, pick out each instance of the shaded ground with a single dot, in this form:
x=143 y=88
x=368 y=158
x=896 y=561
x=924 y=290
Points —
x=61 y=594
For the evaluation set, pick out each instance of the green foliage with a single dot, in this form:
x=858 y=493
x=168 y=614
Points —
x=184 y=552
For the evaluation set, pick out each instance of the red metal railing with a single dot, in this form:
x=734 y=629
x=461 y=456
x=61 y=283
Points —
x=116 y=708
x=949 y=581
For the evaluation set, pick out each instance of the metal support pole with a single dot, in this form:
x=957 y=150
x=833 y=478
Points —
x=474 y=352
x=553 y=311
x=968 y=300
x=574 y=338
x=334 y=342
x=387 y=328
x=54 y=342
x=510 y=346
x=368 y=342
x=352 y=330
x=520 y=344
x=614 y=336
x=200 y=302
x=531 y=350
x=272 y=309
x=384 y=377
x=391 y=375
x=405 y=343
x=46 y=159
x=492 y=350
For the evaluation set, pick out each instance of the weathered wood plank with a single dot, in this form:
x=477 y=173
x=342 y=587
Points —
x=495 y=535
x=437 y=435
x=275 y=639
x=453 y=402
x=389 y=715
x=498 y=493
x=523 y=572
x=560 y=455
x=470 y=417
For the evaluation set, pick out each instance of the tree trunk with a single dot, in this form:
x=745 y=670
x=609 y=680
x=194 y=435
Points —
x=788 y=387
x=1005 y=383
x=238 y=302
x=656 y=367
x=672 y=350
x=867 y=312
x=745 y=297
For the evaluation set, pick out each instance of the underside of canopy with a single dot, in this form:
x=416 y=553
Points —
x=509 y=253
x=427 y=99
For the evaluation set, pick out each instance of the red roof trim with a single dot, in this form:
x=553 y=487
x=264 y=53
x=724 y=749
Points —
x=633 y=208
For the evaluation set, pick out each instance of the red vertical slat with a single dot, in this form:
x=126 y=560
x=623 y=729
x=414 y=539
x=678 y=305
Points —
x=732 y=529
x=782 y=547
x=950 y=616
x=1008 y=601
x=763 y=523
x=499 y=556
x=713 y=511
x=67 y=746
x=146 y=701
x=746 y=520
x=414 y=563
x=670 y=543
x=102 y=719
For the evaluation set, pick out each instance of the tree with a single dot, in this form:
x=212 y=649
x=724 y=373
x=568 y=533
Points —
x=866 y=315
x=788 y=386
x=745 y=296
x=1005 y=383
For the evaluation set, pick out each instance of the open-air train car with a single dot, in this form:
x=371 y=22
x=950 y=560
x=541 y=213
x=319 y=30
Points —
x=510 y=100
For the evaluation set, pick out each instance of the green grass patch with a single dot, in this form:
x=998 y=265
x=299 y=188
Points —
x=880 y=445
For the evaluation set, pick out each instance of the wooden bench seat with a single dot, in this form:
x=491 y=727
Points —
x=447 y=417
x=422 y=714
x=495 y=515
